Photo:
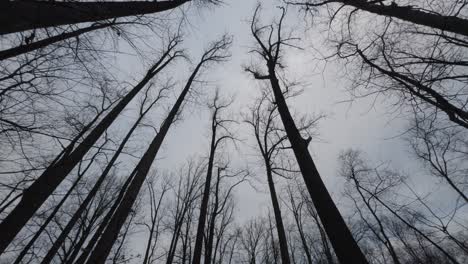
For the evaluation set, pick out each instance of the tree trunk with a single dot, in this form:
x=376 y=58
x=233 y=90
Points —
x=5 y=54
x=278 y=219
x=38 y=192
x=71 y=223
x=408 y=13
x=87 y=250
x=204 y=205
x=16 y=16
x=341 y=238
x=104 y=245
x=37 y=233
x=154 y=220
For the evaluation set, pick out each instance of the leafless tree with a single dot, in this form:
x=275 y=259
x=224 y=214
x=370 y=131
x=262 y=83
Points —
x=220 y=133
x=268 y=49
x=40 y=190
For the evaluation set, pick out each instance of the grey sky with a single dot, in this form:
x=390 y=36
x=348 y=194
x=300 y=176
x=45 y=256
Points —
x=365 y=124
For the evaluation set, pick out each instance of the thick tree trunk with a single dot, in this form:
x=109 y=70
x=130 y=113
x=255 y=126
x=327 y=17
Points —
x=341 y=238
x=104 y=245
x=38 y=192
x=5 y=54
x=278 y=219
x=410 y=14
x=16 y=16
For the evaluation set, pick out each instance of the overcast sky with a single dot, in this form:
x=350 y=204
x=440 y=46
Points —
x=364 y=124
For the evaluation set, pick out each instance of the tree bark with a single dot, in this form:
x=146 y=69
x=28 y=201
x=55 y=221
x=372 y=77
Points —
x=16 y=16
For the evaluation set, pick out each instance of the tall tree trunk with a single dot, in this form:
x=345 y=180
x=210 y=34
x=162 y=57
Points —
x=87 y=250
x=16 y=16
x=408 y=13
x=212 y=223
x=277 y=212
x=104 y=245
x=296 y=210
x=206 y=194
x=90 y=196
x=5 y=54
x=84 y=236
x=341 y=238
x=154 y=221
x=51 y=216
x=38 y=192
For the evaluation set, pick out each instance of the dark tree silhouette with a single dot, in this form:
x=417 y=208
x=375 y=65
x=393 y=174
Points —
x=72 y=222
x=18 y=16
x=219 y=134
x=36 y=194
x=408 y=13
x=216 y=52
x=341 y=238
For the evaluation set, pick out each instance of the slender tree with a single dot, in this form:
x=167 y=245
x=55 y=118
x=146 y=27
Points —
x=270 y=141
x=381 y=185
x=218 y=125
x=221 y=205
x=186 y=195
x=81 y=172
x=35 y=195
x=216 y=52
x=352 y=163
x=341 y=238
x=72 y=222
x=155 y=219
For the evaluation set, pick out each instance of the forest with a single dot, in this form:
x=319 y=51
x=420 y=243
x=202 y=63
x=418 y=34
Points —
x=230 y=132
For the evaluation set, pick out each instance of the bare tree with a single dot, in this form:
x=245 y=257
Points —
x=155 y=219
x=222 y=205
x=145 y=107
x=40 y=190
x=442 y=148
x=186 y=194
x=216 y=52
x=219 y=134
x=374 y=185
x=352 y=163
x=269 y=50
